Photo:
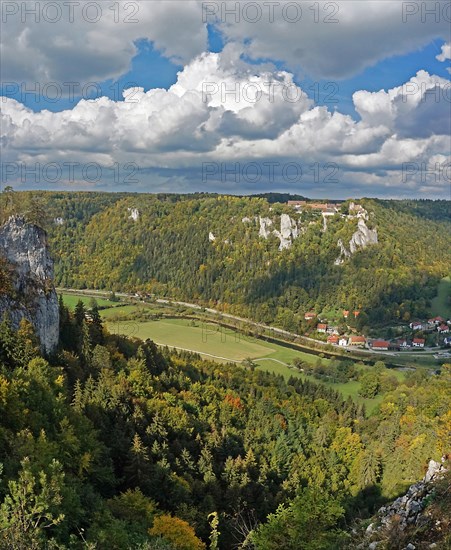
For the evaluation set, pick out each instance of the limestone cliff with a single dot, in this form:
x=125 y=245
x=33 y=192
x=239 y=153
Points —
x=288 y=230
x=24 y=247
x=413 y=521
x=362 y=238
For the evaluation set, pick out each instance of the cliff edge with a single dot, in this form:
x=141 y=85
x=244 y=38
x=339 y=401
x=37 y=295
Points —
x=24 y=248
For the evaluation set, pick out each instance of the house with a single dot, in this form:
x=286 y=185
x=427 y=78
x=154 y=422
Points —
x=380 y=345
x=343 y=341
x=357 y=341
x=402 y=343
x=332 y=339
x=309 y=316
x=447 y=341
x=356 y=313
x=416 y=325
x=418 y=342
x=443 y=329
x=345 y=313
x=436 y=320
x=321 y=327
x=332 y=330
x=328 y=209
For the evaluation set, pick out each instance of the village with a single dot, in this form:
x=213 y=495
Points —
x=416 y=340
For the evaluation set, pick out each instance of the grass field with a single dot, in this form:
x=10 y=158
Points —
x=208 y=339
x=441 y=305
x=71 y=300
x=204 y=338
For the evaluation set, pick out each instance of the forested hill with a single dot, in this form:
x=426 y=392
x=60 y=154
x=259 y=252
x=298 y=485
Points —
x=253 y=255
x=112 y=444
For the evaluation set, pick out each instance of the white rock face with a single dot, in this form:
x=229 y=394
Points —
x=211 y=237
x=288 y=231
x=265 y=223
x=246 y=220
x=434 y=468
x=134 y=214
x=24 y=246
x=344 y=253
x=363 y=237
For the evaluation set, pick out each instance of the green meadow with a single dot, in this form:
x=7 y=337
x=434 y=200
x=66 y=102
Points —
x=71 y=300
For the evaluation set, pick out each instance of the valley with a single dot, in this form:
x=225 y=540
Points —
x=176 y=398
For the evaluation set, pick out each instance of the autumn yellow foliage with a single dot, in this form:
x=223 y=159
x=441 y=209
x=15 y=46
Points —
x=176 y=531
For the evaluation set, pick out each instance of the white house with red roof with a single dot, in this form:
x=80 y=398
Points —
x=380 y=345
x=436 y=320
x=418 y=342
x=310 y=315
x=321 y=327
x=332 y=339
x=357 y=341
x=443 y=329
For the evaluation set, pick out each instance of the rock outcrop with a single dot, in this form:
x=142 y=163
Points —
x=287 y=233
x=134 y=214
x=362 y=238
x=407 y=512
x=24 y=246
x=265 y=223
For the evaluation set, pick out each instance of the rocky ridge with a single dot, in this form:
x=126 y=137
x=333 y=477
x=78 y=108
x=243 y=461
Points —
x=406 y=512
x=24 y=247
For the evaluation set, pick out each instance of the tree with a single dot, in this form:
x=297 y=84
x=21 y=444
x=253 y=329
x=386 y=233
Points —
x=309 y=522
x=369 y=385
x=80 y=313
x=96 y=324
x=100 y=358
x=27 y=342
x=30 y=507
x=176 y=531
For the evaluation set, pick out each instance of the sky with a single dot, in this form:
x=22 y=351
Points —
x=327 y=99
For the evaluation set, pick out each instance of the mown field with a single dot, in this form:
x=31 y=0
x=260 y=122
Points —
x=71 y=300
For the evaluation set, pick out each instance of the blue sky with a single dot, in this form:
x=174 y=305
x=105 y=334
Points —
x=151 y=69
